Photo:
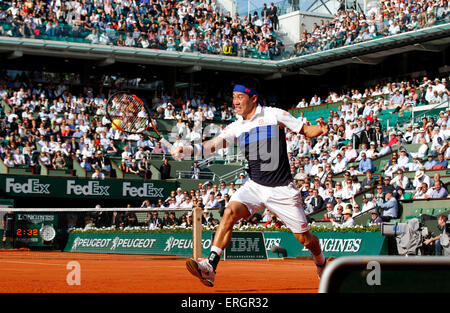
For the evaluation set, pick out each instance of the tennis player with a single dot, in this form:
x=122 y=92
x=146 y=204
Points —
x=260 y=134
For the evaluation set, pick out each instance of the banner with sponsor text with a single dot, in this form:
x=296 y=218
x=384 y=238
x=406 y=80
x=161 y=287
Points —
x=68 y=187
x=180 y=244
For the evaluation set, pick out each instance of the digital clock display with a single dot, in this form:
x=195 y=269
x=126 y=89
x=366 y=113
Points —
x=35 y=229
x=27 y=232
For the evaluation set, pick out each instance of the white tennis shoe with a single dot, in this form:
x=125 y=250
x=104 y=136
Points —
x=203 y=270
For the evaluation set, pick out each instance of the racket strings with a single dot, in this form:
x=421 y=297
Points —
x=130 y=111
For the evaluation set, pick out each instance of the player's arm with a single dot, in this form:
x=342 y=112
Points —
x=204 y=149
x=312 y=131
x=285 y=119
x=211 y=146
x=208 y=147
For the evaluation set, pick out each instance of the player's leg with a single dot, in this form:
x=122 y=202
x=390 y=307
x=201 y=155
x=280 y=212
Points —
x=286 y=203
x=233 y=213
x=311 y=242
x=205 y=269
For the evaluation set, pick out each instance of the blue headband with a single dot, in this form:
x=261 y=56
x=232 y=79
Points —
x=246 y=90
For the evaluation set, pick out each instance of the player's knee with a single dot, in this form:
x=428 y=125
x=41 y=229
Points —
x=229 y=215
x=306 y=239
x=233 y=213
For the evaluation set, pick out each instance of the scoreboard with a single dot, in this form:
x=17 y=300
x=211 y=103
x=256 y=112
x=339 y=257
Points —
x=35 y=230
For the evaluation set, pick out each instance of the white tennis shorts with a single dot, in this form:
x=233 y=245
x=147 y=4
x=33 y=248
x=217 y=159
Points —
x=284 y=201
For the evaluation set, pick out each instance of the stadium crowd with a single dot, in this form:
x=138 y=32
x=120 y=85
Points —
x=55 y=124
x=387 y=18
x=186 y=26
x=199 y=26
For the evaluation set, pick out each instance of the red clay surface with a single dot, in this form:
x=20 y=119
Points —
x=47 y=272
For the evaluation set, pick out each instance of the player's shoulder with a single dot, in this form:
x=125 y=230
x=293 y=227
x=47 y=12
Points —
x=231 y=127
x=276 y=112
x=272 y=110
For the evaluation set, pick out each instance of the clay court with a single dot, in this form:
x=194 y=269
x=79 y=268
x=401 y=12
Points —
x=46 y=272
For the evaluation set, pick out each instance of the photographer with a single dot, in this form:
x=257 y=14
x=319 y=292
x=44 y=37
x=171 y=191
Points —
x=389 y=208
x=442 y=220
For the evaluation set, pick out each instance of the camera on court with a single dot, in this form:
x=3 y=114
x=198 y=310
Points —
x=397 y=229
x=393 y=229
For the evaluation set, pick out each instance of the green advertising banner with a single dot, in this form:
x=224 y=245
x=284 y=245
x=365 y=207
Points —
x=334 y=244
x=68 y=187
x=246 y=245
x=177 y=244
x=180 y=244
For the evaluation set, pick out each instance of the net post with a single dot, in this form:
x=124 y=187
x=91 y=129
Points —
x=197 y=233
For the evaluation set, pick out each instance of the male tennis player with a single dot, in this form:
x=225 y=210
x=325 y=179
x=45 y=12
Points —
x=260 y=134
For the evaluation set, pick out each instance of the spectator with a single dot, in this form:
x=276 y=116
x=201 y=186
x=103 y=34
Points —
x=123 y=167
x=347 y=219
x=437 y=191
x=389 y=208
x=329 y=214
x=206 y=218
x=441 y=161
x=102 y=161
x=223 y=189
x=211 y=202
x=98 y=174
x=242 y=179
x=385 y=149
x=9 y=161
x=400 y=181
x=133 y=168
x=195 y=171
x=340 y=164
x=144 y=168
x=391 y=169
x=369 y=181
x=375 y=218
x=314 y=202
x=330 y=197
x=167 y=221
x=379 y=194
x=165 y=169
x=154 y=222
x=365 y=164
x=368 y=203
x=45 y=159
x=442 y=221
x=421 y=191
x=430 y=162
x=421 y=178
x=339 y=209
x=403 y=159
x=158 y=149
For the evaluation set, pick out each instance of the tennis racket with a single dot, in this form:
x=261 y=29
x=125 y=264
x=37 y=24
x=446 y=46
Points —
x=128 y=114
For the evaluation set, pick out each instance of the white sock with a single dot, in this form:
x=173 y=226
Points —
x=319 y=259
x=217 y=250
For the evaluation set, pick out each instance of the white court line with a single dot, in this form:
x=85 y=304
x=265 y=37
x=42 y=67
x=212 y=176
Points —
x=34 y=263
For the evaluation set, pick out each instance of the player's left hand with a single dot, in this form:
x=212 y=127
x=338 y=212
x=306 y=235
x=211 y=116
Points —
x=323 y=126
x=182 y=152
